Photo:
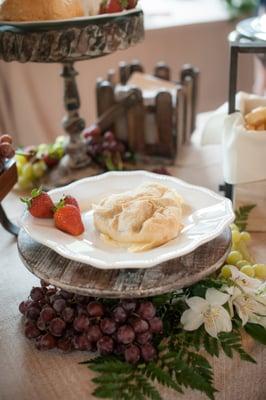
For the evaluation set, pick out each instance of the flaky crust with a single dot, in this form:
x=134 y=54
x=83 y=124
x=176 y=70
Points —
x=38 y=10
x=145 y=218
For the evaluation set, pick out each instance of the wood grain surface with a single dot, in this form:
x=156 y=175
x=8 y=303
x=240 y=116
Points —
x=84 y=279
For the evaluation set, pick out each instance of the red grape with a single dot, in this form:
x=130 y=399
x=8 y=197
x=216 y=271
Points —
x=132 y=354
x=119 y=315
x=94 y=333
x=108 y=326
x=47 y=342
x=91 y=131
x=59 y=305
x=64 y=344
x=47 y=314
x=109 y=136
x=31 y=330
x=139 y=325
x=129 y=305
x=156 y=325
x=41 y=324
x=68 y=314
x=36 y=294
x=125 y=334
x=24 y=305
x=105 y=345
x=146 y=310
x=32 y=313
x=66 y=295
x=143 y=338
x=81 y=343
x=57 y=327
x=95 y=309
x=81 y=323
x=148 y=352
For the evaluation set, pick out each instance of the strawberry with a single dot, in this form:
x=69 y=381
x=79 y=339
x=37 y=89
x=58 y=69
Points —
x=40 y=204
x=69 y=200
x=132 y=4
x=114 y=6
x=67 y=218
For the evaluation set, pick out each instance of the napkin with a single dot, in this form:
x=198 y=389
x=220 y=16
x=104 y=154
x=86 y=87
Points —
x=244 y=152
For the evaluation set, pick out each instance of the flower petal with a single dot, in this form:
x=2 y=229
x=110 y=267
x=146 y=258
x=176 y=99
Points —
x=197 y=304
x=216 y=298
x=243 y=280
x=191 y=320
x=217 y=321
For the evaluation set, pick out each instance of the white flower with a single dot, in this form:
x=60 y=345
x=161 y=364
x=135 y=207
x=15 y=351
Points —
x=242 y=280
x=249 y=306
x=208 y=312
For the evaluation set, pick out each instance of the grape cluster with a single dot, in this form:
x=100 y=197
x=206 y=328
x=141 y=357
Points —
x=105 y=149
x=240 y=257
x=34 y=161
x=6 y=150
x=58 y=319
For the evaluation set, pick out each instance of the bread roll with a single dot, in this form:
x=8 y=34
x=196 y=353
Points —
x=35 y=10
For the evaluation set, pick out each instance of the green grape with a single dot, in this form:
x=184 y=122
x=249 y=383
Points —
x=20 y=159
x=27 y=171
x=19 y=168
x=39 y=169
x=242 y=263
x=236 y=236
x=56 y=151
x=260 y=271
x=248 y=270
x=226 y=272
x=24 y=183
x=245 y=236
x=234 y=227
x=234 y=257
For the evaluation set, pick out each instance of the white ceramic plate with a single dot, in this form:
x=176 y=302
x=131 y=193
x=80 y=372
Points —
x=208 y=216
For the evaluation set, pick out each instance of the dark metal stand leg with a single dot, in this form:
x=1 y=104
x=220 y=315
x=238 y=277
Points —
x=7 y=225
x=229 y=189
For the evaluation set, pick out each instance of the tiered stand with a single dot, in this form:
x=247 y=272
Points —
x=67 y=42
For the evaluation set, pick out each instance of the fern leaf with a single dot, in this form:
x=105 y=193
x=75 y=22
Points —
x=156 y=373
x=242 y=215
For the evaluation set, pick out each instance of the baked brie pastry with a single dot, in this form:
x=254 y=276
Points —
x=39 y=10
x=142 y=219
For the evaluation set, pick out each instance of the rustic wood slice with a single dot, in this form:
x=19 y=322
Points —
x=86 y=280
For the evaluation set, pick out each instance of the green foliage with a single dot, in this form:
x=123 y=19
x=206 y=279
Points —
x=257 y=332
x=240 y=8
x=242 y=215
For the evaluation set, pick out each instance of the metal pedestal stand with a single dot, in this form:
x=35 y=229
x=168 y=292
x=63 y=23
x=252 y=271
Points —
x=249 y=38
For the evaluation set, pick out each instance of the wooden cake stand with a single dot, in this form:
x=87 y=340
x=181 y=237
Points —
x=83 y=279
x=66 y=42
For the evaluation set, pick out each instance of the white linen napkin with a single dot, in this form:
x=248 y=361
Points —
x=244 y=152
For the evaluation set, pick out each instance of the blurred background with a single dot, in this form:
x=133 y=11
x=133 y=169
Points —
x=177 y=32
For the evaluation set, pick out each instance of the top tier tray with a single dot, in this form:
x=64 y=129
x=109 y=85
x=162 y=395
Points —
x=70 y=40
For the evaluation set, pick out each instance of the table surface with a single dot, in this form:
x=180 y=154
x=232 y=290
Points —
x=28 y=374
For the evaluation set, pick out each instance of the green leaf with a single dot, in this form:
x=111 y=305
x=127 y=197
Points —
x=156 y=373
x=242 y=215
x=257 y=332
x=211 y=345
x=232 y=342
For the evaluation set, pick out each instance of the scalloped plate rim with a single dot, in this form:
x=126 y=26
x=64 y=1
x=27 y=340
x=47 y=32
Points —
x=145 y=263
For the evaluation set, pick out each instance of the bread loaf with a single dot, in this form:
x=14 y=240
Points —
x=38 y=10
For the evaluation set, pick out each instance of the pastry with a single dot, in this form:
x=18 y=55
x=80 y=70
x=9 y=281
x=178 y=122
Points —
x=34 y=10
x=256 y=119
x=144 y=218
